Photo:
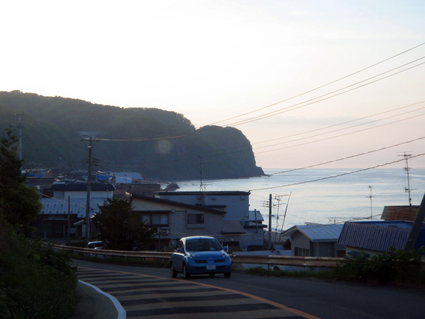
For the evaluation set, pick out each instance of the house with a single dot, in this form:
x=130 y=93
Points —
x=175 y=220
x=400 y=213
x=235 y=204
x=126 y=178
x=315 y=240
x=79 y=190
x=254 y=228
x=67 y=208
x=374 y=237
x=145 y=189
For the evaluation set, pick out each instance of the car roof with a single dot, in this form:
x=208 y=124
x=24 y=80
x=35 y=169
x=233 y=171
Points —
x=198 y=237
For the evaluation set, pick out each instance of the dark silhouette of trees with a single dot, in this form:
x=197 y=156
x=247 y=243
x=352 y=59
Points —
x=121 y=228
x=19 y=204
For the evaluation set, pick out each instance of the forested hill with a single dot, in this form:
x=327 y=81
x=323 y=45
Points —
x=161 y=145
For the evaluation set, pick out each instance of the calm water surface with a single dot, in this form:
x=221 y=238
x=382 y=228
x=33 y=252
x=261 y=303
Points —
x=316 y=197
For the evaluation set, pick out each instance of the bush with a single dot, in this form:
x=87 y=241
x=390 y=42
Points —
x=35 y=280
x=395 y=265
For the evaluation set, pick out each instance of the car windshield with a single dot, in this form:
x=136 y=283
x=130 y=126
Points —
x=203 y=244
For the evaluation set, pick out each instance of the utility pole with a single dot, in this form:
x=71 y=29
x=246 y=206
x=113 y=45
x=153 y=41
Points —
x=270 y=221
x=90 y=136
x=201 y=185
x=370 y=196
x=69 y=218
x=88 y=195
x=408 y=189
x=278 y=198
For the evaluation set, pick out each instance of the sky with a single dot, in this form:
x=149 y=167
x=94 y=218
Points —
x=310 y=83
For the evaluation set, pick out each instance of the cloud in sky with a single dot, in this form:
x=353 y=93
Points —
x=216 y=60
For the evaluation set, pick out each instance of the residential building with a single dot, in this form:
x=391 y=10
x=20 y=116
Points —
x=235 y=204
x=315 y=240
x=67 y=208
x=175 y=220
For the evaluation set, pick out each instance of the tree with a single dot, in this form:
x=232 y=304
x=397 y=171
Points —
x=19 y=204
x=121 y=228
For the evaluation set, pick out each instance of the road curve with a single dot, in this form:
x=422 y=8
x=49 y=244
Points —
x=296 y=297
x=148 y=296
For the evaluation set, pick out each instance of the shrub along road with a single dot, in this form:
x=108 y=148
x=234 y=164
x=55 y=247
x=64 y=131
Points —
x=309 y=296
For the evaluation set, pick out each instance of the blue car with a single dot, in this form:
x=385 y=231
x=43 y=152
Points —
x=200 y=255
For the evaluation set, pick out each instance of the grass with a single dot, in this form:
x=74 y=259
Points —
x=35 y=280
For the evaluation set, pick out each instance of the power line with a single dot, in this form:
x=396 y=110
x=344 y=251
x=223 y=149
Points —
x=349 y=133
x=342 y=123
x=324 y=85
x=183 y=133
x=322 y=97
x=349 y=157
x=335 y=176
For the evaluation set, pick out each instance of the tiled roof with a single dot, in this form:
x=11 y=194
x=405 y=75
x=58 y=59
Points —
x=232 y=227
x=400 y=213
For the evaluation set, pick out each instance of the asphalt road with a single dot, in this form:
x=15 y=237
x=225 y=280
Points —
x=305 y=296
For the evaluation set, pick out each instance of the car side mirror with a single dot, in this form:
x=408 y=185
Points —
x=179 y=250
x=226 y=248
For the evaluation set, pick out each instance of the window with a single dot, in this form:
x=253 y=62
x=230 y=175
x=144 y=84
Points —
x=160 y=220
x=195 y=219
x=302 y=251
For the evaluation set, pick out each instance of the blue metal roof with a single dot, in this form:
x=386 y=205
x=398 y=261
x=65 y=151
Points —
x=379 y=235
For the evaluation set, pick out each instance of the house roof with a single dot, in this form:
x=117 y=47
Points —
x=317 y=233
x=232 y=227
x=255 y=216
x=177 y=204
x=378 y=235
x=216 y=193
x=59 y=206
x=400 y=213
x=79 y=187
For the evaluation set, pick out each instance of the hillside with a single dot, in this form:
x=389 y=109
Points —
x=161 y=145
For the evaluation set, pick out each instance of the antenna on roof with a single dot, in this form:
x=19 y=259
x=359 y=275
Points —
x=407 y=169
x=202 y=186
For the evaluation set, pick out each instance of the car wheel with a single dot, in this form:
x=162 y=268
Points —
x=173 y=271
x=227 y=274
x=185 y=272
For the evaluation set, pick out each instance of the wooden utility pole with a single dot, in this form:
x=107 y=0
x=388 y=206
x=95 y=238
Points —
x=270 y=221
x=88 y=196
x=370 y=196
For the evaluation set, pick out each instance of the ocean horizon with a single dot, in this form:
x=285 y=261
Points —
x=322 y=195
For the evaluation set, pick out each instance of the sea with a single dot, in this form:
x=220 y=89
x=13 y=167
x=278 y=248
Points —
x=322 y=196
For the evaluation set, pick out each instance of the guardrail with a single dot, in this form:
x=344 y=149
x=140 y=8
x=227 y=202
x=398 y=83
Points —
x=119 y=253
x=273 y=260
x=269 y=260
